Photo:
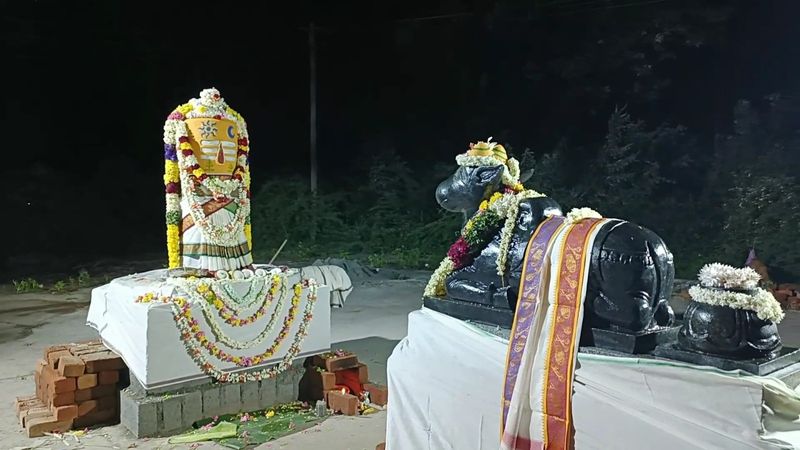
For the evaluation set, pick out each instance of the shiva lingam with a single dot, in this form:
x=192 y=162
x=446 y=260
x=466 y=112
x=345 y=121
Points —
x=207 y=184
x=731 y=323
x=631 y=269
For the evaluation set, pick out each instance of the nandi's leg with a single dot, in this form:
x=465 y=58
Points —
x=664 y=316
x=461 y=287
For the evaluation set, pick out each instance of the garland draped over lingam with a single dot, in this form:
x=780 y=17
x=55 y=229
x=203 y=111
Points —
x=216 y=296
x=183 y=174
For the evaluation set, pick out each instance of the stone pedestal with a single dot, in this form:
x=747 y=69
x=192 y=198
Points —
x=633 y=343
x=475 y=312
x=168 y=413
x=764 y=366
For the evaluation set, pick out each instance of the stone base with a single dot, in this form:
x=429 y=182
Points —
x=763 y=366
x=633 y=343
x=170 y=413
x=475 y=312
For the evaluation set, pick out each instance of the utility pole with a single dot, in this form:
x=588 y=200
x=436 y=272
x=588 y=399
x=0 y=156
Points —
x=312 y=94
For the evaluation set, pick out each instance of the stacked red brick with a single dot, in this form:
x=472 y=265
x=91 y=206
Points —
x=332 y=369
x=788 y=295
x=76 y=387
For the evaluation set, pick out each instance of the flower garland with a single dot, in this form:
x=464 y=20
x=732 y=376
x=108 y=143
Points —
x=182 y=175
x=233 y=321
x=478 y=231
x=217 y=293
x=196 y=341
x=724 y=285
x=578 y=214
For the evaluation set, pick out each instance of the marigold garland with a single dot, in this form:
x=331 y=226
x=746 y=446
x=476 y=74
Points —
x=196 y=341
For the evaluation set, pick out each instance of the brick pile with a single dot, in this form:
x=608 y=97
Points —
x=788 y=295
x=341 y=380
x=76 y=387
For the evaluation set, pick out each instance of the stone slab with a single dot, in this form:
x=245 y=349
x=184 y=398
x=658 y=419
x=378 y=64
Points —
x=633 y=343
x=502 y=317
x=787 y=357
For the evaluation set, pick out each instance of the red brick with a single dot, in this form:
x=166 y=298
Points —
x=88 y=348
x=98 y=417
x=27 y=415
x=59 y=385
x=341 y=362
x=108 y=377
x=24 y=403
x=70 y=366
x=794 y=302
x=63 y=399
x=87 y=381
x=87 y=407
x=328 y=381
x=102 y=361
x=378 y=394
x=53 y=357
x=347 y=404
x=363 y=373
x=68 y=412
x=104 y=390
x=37 y=427
x=782 y=296
x=381 y=446
x=52 y=349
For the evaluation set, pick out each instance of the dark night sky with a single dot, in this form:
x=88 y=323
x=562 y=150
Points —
x=88 y=85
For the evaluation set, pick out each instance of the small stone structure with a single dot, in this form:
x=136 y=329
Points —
x=163 y=413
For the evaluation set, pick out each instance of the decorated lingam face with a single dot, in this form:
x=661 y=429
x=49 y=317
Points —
x=214 y=143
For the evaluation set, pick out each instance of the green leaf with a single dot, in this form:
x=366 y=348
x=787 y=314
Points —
x=219 y=431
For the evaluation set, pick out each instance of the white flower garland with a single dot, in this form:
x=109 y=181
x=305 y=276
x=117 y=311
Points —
x=508 y=207
x=435 y=286
x=225 y=235
x=762 y=302
x=243 y=345
x=220 y=288
x=578 y=214
x=728 y=277
x=196 y=350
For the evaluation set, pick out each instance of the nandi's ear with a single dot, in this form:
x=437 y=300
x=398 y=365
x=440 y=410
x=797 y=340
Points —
x=487 y=175
x=525 y=176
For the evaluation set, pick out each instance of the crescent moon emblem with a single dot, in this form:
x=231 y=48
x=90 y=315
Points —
x=230 y=132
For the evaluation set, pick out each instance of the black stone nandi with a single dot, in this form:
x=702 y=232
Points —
x=631 y=269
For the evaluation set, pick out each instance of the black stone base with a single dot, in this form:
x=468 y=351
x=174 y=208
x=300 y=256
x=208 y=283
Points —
x=633 y=343
x=763 y=366
x=471 y=311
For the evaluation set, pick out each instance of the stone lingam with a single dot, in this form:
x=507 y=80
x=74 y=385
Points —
x=731 y=324
x=630 y=272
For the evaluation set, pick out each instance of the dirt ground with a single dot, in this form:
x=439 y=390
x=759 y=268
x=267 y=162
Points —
x=373 y=320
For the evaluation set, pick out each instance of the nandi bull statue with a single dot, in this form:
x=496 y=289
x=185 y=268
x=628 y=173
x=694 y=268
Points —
x=630 y=269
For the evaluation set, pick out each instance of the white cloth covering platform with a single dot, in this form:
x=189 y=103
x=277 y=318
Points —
x=145 y=335
x=445 y=388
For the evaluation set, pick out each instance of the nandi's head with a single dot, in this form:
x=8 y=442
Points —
x=483 y=170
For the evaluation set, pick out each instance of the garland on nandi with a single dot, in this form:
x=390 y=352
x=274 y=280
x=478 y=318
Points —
x=500 y=209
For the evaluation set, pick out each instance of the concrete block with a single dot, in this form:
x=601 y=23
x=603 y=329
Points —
x=170 y=415
x=250 y=396
x=267 y=393
x=286 y=386
x=136 y=414
x=211 y=401
x=230 y=398
x=192 y=408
